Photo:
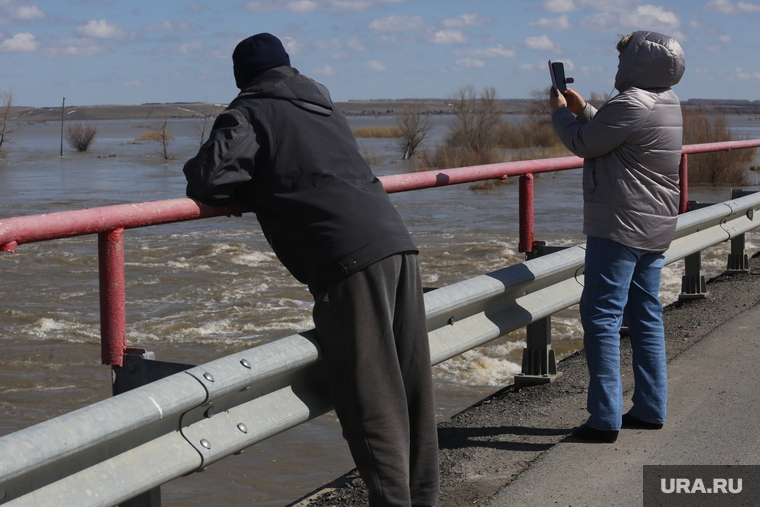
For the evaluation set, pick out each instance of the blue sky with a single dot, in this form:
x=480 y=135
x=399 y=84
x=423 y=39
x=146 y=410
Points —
x=131 y=52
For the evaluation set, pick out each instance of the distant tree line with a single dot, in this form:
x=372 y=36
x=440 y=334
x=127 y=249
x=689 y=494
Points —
x=481 y=135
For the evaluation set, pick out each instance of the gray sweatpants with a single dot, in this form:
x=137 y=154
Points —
x=372 y=330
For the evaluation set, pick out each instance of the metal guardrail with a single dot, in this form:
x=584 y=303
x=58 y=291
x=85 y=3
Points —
x=184 y=422
x=110 y=222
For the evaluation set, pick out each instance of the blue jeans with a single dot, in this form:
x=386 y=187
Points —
x=618 y=280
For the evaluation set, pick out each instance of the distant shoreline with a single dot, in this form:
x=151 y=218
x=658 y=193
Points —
x=350 y=108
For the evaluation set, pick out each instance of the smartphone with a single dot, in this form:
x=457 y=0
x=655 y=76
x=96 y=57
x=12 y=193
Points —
x=557 y=71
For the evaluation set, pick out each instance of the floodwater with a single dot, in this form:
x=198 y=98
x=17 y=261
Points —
x=201 y=290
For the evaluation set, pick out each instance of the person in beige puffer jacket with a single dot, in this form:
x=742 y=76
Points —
x=631 y=148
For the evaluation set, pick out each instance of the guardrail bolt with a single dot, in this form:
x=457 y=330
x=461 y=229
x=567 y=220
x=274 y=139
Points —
x=451 y=321
x=245 y=363
x=242 y=427
x=205 y=443
x=208 y=377
x=210 y=411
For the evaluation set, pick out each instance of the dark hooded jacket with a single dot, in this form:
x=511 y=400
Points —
x=632 y=147
x=281 y=150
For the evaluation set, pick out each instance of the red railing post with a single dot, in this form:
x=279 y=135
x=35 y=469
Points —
x=113 y=306
x=526 y=213
x=683 y=182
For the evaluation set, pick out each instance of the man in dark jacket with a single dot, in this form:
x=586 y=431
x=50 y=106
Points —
x=632 y=149
x=282 y=150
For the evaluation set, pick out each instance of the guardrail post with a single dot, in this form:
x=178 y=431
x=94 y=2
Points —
x=138 y=369
x=539 y=362
x=113 y=305
x=683 y=183
x=525 y=203
x=738 y=261
x=693 y=282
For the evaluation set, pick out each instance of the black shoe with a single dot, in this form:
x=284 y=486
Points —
x=631 y=422
x=589 y=434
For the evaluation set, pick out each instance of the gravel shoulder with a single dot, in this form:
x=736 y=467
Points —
x=489 y=444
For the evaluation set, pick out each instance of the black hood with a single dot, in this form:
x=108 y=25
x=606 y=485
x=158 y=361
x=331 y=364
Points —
x=286 y=83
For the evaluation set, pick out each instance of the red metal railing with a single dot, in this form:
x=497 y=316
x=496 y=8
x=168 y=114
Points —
x=110 y=222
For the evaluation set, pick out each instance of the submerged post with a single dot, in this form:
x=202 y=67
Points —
x=63 y=109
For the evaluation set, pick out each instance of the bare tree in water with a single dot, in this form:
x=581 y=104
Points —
x=207 y=120
x=81 y=135
x=414 y=125
x=478 y=119
x=161 y=134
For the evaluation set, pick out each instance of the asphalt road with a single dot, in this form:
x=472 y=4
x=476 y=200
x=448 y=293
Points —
x=514 y=449
x=713 y=420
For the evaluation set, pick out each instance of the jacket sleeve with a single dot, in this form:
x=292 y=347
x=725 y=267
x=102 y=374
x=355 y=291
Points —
x=224 y=162
x=597 y=133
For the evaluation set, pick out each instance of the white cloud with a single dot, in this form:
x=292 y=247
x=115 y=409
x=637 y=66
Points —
x=729 y=7
x=587 y=71
x=302 y=6
x=190 y=47
x=542 y=43
x=327 y=45
x=375 y=65
x=223 y=50
x=291 y=46
x=356 y=5
x=306 y=6
x=533 y=66
x=561 y=23
x=18 y=12
x=324 y=71
x=356 y=45
x=294 y=6
x=469 y=63
x=129 y=84
x=179 y=26
x=560 y=5
x=396 y=23
x=601 y=21
x=741 y=74
x=103 y=30
x=448 y=37
x=463 y=20
x=608 y=5
x=393 y=39
x=652 y=16
x=26 y=12
x=19 y=43
x=73 y=48
x=498 y=51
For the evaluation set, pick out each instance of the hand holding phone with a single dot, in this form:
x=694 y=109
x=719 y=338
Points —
x=559 y=81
